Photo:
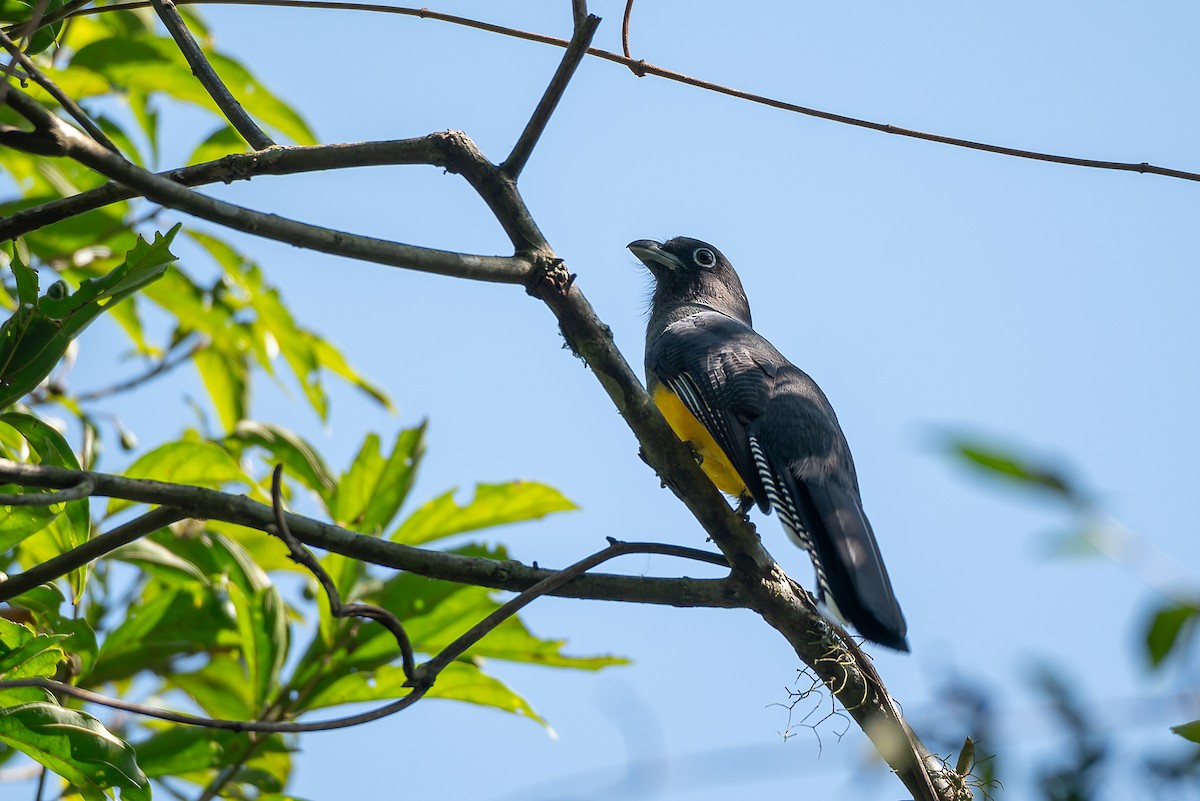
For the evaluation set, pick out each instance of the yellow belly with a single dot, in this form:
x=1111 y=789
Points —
x=715 y=464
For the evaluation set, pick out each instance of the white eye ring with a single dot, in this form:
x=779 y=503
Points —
x=704 y=257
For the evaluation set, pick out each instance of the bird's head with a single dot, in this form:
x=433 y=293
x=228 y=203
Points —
x=690 y=271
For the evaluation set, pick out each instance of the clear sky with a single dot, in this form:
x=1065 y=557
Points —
x=928 y=290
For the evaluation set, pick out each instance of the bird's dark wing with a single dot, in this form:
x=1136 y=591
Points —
x=709 y=361
x=809 y=477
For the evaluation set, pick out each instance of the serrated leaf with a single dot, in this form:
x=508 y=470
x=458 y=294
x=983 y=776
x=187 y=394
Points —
x=370 y=494
x=299 y=458
x=35 y=338
x=186 y=462
x=77 y=747
x=1168 y=630
x=493 y=505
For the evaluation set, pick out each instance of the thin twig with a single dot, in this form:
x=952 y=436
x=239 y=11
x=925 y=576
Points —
x=641 y=67
x=165 y=365
x=81 y=490
x=625 y=29
x=576 y=50
x=53 y=89
x=544 y=587
x=208 y=77
x=94 y=548
x=303 y=557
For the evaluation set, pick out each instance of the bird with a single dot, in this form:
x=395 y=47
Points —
x=761 y=428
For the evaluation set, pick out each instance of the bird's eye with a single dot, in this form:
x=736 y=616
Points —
x=704 y=257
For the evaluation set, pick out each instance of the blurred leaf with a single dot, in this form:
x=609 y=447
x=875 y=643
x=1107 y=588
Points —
x=227 y=378
x=1169 y=628
x=220 y=143
x=186 y=619
x=493 y=505
x=185 y=462
x=299 y=458
x=331 y=359
x=1006 y=464
x=154 y=64
x=372 y=492
x=22 y=11
x=159 y=561
x=220 y=688
x=1189 y=731
x=297 y=345
x=77 y=747
x=73 y=528
x=262 y=627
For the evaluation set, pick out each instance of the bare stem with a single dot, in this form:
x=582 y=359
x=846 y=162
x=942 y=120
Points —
x=571 y=59
x=208 y=77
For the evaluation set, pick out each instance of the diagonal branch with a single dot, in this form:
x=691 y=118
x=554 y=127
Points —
x=576 y=50
x=204 y=72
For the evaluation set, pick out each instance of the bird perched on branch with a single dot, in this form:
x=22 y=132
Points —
x=761 y=428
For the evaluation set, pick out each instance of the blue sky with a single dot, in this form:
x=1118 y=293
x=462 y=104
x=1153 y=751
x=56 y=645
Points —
x=927 y=289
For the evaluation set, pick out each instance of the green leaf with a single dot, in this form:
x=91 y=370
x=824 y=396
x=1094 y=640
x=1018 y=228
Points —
x=23 y=11
x=77 y=747
x=998 y=462
x=73 y=528
x=220 y=143
x=371 y=493
x=332 y=359
x=262 y=627
x=34 y=340
x=25 y=655
x=183 y=750
x=219 y=688
x=493 y=505
x=186 y=462
x=1189 y=731
x=297 y=345
x=299 y=458
x=226 y=376
x=154 y=64
x=460 y=681
x=1169 y=629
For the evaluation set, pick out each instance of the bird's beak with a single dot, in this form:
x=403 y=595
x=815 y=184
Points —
x=651 y=254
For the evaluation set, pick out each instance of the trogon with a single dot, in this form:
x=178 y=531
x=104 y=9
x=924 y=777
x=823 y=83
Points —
x=762 y=430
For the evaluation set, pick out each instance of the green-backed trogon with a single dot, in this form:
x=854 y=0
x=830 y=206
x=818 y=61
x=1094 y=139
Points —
x=762 y=429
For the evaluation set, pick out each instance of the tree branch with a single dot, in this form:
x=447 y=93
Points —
x=480 y=571
x=94 y=548
x=168 y=193
x=208 y=77
x=528 y=140
x=426 y=150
